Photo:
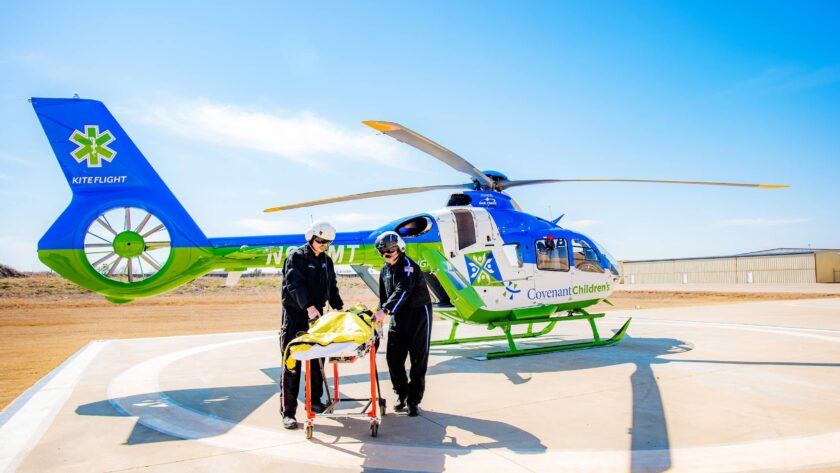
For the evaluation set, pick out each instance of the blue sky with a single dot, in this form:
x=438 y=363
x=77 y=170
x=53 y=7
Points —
x=243 y=107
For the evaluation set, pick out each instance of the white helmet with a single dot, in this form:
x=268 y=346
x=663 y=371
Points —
x=389 y=241
x=320 y=229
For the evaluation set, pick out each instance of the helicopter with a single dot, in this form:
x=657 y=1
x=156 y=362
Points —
x=126 y=236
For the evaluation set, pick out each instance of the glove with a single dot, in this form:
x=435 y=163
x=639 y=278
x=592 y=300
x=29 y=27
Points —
x=312 y=312
x=378 y=317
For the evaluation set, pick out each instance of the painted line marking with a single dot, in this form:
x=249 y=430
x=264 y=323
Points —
x=30 y=419
x=173 y=419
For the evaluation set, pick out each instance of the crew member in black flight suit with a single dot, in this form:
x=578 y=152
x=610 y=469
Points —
x=404 y=296
x=308 y=284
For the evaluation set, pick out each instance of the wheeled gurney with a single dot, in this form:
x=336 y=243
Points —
x=339 y=337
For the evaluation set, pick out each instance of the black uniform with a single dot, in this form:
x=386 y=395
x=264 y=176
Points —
x=404 y=295
x=308 y=280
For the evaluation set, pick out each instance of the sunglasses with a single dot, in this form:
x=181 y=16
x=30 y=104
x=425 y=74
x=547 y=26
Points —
x=387 y=252
x=321 y=241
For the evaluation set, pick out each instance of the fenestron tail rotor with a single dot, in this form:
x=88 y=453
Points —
x=482 y=180
x=125 y=252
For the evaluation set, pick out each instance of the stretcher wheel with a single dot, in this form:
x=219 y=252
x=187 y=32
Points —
x=309 y=429
x=374 y=430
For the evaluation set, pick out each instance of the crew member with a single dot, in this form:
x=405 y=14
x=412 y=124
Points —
x=308 y=284
x=404 y=296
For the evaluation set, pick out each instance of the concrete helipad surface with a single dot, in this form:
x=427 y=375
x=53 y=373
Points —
x=741 y=387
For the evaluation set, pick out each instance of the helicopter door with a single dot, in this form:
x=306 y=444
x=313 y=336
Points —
x=459 y=237
x=587 y=274
x=485 y=229
x=507 y=256
x=552 y=282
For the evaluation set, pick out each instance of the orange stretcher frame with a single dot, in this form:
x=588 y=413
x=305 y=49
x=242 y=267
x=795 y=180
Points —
x=375 y=407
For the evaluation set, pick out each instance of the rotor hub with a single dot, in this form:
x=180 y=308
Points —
x=129 y=244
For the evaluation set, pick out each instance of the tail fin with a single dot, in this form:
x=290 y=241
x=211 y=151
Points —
x=104 y=170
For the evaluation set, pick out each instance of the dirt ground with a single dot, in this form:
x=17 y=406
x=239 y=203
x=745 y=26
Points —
x=44 y=320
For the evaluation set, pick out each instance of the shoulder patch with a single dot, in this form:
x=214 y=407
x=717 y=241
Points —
x=409 y=269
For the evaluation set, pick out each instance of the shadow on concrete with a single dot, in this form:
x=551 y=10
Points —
x=139 y=434
x=650 y=444
x=227 y=405
x=429 y=429
x=223 y=408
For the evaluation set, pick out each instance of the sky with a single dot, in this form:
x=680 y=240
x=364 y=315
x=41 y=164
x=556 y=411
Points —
x=240 y=107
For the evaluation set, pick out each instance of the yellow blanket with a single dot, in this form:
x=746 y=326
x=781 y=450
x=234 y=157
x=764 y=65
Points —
x=353 y=325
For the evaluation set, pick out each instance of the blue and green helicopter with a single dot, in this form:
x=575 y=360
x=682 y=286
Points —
x=125 y=236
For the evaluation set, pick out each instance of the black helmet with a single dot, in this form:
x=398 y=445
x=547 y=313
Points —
x=389 y=241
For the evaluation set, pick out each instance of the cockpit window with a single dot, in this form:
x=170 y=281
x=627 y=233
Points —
x=513 y=252
x=414 y=227
x=586 y=259
x=552 y=254
x=612 y=263
x=466 y=228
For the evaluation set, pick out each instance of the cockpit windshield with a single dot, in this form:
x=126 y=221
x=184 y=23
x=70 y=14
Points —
x=613 y=263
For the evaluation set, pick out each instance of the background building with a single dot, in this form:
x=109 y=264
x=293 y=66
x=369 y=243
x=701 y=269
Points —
x=776 y=266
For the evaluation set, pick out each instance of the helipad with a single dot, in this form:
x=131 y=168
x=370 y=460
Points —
x=739 y=387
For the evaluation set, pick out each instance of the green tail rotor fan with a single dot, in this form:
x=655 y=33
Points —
x=127 y=244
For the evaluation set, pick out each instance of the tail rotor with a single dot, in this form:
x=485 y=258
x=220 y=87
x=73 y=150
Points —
x=127 y=244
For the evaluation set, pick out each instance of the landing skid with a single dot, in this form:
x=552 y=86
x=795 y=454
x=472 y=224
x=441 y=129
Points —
x=577 y=314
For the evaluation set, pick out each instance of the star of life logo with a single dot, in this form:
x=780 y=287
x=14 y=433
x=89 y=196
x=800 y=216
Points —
x=92 y=146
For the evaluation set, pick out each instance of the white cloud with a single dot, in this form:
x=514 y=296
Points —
x=343 y=222
x=10 y=158
x=17 y=243
x=784 y=78
x=19 y=253
x=270 y=227
x=575 y=224
x=736 y=222
x=302 y=136
x=355 y=218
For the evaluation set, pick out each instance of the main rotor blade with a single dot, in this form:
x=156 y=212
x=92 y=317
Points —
x=528 y=182
x=410 y=137
x=367 y=195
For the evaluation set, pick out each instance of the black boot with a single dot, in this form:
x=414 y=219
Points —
x=400 y=405
x=413 y=410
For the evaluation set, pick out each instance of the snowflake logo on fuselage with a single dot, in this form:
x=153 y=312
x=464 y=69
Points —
x=93 y=146
x=483 y=269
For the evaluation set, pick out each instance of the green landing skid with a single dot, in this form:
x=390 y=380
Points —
x=577 y=314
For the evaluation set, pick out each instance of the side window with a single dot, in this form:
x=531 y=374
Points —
x=552 y=255
x=513 y=252
x=415 y=227
x=585 y=257
x=466 y=228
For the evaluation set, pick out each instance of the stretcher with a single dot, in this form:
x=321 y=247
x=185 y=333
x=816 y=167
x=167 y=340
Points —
x=339 y=338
